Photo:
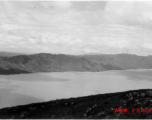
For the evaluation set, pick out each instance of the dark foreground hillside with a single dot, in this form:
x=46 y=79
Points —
x=92 y=107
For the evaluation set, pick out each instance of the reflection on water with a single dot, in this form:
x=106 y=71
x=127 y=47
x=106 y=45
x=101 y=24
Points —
x=29 y=88
x=137 y=74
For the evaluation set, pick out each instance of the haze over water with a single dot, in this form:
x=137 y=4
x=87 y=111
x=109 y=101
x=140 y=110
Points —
x=38 y=87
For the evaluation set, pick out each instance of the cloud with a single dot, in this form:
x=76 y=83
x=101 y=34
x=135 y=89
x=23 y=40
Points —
x=147 y=46
x=62 y=4
x=82 y=27
x=133 y=13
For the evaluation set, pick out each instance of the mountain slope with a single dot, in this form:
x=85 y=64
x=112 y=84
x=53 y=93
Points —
x=123 y=61
x=51 y=63
x=44 y=62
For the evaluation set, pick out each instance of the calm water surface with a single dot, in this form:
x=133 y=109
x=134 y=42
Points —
x=29 y=88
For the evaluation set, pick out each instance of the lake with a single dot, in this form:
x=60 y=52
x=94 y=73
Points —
x=38 y=87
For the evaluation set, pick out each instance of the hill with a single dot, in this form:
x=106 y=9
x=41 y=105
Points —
x=90 y=107
x=45 y=62
x=51 y=63
x=122 y=61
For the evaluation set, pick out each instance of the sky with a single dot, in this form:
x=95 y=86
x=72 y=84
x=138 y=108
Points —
x=76 y=27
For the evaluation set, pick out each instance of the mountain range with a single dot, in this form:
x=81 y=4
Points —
x=45 y=62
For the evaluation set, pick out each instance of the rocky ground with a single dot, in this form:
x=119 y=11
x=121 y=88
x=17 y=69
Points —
x=92 y=107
